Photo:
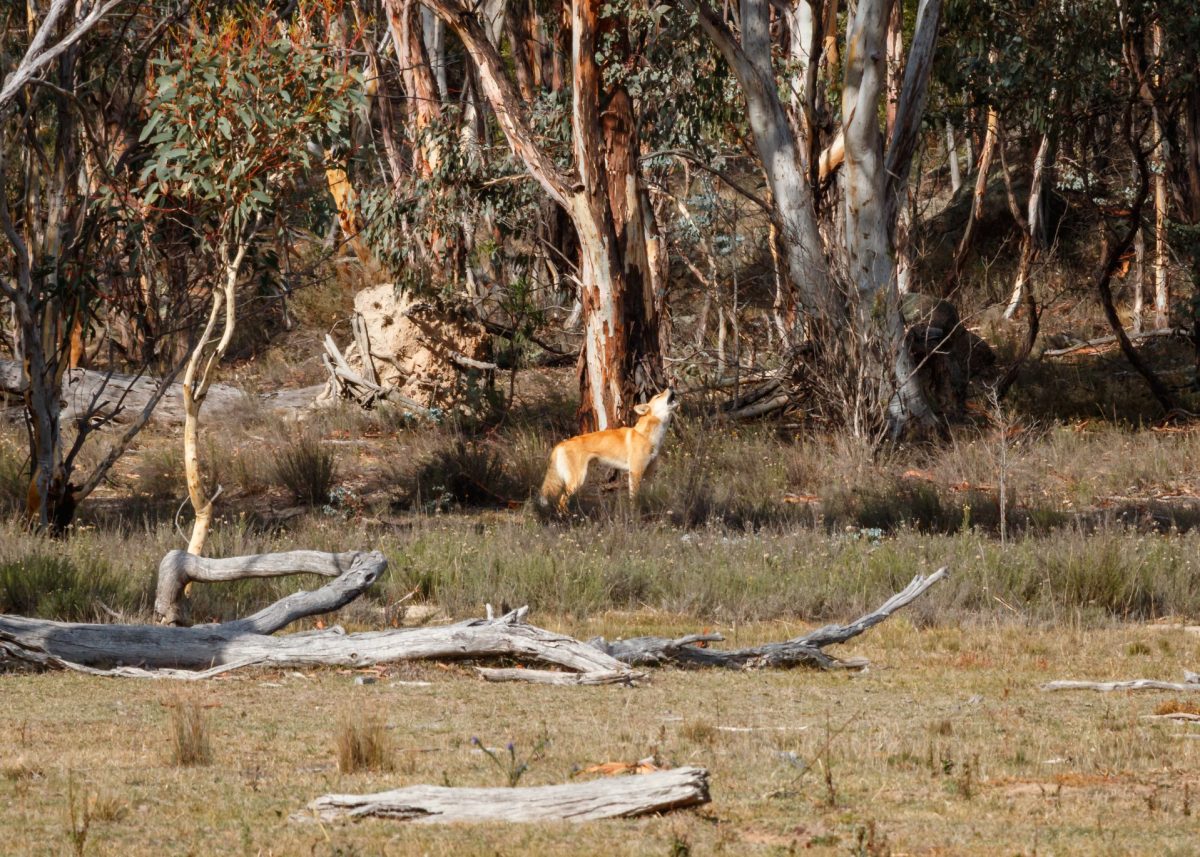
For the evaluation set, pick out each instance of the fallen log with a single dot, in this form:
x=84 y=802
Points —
x=132 y=650
x=800 y=651
x=613 y=797
x=1191 y=682
x=119 y=398
x=155 y=650
x=1111 y=339
x=204 y=646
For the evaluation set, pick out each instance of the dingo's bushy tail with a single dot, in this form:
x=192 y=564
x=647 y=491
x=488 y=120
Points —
x=553 y=486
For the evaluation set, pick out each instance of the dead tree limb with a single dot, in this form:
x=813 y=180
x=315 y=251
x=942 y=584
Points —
x=160 y=651
x=137 y=649
x=349 y=384
x=1191 y=681
x=1112 y=339
x=801 y=651
x=355 y=572
x=613 y=797
x=204 y=646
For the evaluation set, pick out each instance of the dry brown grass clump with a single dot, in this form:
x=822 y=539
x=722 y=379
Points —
x=1177 y=706
x=307 y=469
x=363 y=744
x=190 y=743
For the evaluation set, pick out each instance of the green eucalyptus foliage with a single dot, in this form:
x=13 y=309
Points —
x=236 y=113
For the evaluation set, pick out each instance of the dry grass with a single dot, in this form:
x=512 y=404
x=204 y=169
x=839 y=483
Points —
x=307 y=469
x=363 y=744
x=945 y=746
x=189 y=732
x=1177 y=706
x=1059 y=773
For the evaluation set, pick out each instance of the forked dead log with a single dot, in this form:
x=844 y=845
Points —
x=157 y=651
x=355 y=571
x=1191 y=682
x=613 y=797
x=37 y=641
x=806 y=651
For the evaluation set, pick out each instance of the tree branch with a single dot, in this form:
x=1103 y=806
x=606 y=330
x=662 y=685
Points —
x=38 y=56
x=506 y=102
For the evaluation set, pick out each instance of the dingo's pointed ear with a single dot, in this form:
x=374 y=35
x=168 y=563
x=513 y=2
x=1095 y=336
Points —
x=641 y=410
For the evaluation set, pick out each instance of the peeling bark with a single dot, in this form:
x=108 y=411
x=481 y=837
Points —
x=622 y=359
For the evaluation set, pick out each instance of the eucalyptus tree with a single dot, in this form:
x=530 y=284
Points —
x=843 y=274
x=233 y=109
x=64 y=231
x=622 y=259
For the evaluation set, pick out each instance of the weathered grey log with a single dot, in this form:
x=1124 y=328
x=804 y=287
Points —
x=613 y=797
x=622 y=676
x=1111 y=340
x=23 y=653
x=243 y=642
x=751 y=396
x=1191 y=682
x=800 y=651
x=83 y=387
x=179 y=568
x=760 y=408
x=348 y=384
x=205 y=646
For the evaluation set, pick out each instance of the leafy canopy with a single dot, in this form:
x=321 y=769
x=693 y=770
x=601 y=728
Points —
x=233 y=110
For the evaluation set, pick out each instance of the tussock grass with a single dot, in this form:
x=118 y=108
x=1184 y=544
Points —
x=363 y=744
x=466 y=474
x=307 y=469
x=189 y=741
x=158 y=473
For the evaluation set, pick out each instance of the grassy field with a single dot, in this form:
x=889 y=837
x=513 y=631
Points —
x=945 y=746
x=1089 y=568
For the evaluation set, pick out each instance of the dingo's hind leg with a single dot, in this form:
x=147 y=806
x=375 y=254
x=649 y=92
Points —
x=572 y=469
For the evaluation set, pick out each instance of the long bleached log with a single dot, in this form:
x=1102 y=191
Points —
x=613 y=797
x=202 y=647
x=1191 y=682
x=803 y=651
x=134 y=650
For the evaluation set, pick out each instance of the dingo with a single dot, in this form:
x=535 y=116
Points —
x=632 y=449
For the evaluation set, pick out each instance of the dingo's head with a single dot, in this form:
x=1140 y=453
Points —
x=660 y=406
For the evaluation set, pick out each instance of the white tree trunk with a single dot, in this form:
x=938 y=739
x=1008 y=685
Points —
x=1158 y=161
x=1031 y=241
x=782 y=157
x=952 y=156
x=1139 y=281
x=870 y=193
x=198 y=377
